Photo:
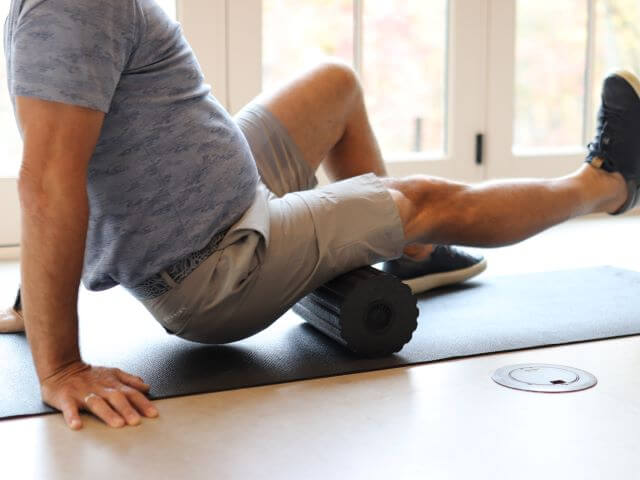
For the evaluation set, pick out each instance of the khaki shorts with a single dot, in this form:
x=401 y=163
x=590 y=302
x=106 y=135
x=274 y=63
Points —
x=292 y=239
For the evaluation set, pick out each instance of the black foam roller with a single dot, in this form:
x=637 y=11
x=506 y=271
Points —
x=370 y=312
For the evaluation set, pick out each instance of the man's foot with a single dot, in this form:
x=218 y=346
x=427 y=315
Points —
x=11 y=319
x=445 y=266
x=616 y=146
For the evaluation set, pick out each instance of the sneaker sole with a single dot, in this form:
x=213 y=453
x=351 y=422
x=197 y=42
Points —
x=632 y=186
x=631 y=79
x=429 y=282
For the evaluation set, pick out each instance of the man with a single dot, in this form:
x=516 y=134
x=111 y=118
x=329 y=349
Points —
x=130 y=166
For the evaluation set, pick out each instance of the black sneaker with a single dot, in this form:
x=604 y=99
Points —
x=616 y=146
x=446 y=265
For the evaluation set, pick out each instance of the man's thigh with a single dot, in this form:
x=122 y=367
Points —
x=314 y=108
x=280 y=162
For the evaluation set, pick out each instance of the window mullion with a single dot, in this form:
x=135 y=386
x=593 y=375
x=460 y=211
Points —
x=358 y=47
x=205 y=26
x=589 y=71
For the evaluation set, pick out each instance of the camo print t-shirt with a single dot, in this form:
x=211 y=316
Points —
x=171 y=168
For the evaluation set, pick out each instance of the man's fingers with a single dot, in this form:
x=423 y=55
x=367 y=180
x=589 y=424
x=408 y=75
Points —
x=132 y=380
x=121 y=404
x=101 y=409
x=115 y=397
x=142 y=403
x=71 y=414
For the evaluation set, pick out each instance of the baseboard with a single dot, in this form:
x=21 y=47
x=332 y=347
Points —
x=9 y=253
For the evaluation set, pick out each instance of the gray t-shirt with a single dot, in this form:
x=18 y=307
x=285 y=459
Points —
x=171 y=168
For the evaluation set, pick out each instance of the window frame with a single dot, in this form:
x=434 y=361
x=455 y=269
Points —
x=226 y=37
x=465 y=117
x=505 y=161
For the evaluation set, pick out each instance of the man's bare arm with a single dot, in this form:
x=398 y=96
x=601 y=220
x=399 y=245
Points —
x=59 y=141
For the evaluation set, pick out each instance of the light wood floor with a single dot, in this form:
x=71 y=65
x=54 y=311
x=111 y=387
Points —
x=444 y=420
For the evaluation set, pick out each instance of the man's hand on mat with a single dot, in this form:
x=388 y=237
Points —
x=112 y=395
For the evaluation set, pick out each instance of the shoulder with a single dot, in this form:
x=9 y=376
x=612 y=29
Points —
x=79 y=11
x=80 y=21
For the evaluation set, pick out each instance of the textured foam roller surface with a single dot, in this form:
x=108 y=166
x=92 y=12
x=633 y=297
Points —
x=370 y=312
x=488 y=315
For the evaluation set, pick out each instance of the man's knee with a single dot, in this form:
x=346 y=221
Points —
x=341 y=76
x=424 y=201
x=405 y=193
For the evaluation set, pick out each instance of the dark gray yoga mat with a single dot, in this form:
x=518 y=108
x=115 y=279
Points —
x=488 y=315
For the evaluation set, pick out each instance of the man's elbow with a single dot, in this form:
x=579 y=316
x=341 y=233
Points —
x=44 y=190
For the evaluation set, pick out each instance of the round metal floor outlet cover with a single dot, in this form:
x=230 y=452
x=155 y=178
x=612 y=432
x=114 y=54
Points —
x=541 y=377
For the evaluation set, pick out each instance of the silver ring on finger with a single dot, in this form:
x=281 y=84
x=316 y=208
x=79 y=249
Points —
x=89 y=397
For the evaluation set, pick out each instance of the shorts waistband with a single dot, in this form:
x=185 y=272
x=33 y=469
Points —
x=162 y=282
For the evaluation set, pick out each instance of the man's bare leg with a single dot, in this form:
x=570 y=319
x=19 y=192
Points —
x=492 y=214
x=502 y=213
x=338 y=135
x=323 y=110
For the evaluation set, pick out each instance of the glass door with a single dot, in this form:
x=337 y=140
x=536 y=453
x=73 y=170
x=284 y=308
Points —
x=467 y=89
x=548 y=60
x=413 y=58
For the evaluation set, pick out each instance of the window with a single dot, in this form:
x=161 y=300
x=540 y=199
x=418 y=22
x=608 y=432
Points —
x=399 y=48
x=320 y=29
x=616 y=29
x=550 y=64
x=564 y=49
x=436 y=74
x=548 y=59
